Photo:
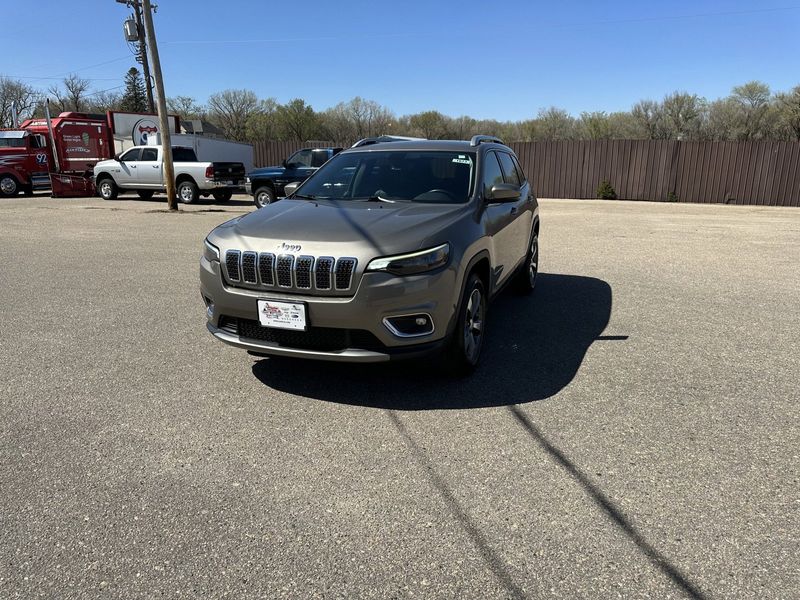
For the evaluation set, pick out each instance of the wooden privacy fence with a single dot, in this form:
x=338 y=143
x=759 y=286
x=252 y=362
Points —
x=761 y=172
x=758 y=172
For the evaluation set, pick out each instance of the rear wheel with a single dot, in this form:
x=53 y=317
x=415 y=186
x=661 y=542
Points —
x=464 y=347
x=8 y=186
x=145 y=194
x=525 y=279
x=263 y=196
x=187 y=192
x=107 y=189
x=222 y=196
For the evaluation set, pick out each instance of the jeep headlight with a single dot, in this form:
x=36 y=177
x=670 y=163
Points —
x=210 y=251
x=413 y=263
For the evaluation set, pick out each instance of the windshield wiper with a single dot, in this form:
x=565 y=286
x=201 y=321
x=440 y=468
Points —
x=380 y=199
x=304 y=196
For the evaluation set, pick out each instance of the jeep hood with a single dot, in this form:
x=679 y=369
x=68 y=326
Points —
x=350 y=228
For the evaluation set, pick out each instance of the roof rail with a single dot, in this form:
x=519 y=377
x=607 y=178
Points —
x=480 y=139
x=385 y=138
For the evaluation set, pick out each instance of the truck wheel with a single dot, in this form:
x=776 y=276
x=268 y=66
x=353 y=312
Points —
x=464 y=347
x=525 y=279
x=222 y=196
x=187 y=192
x=107 y=189
x=145 y=194
x=8 y=186
x=263 y=196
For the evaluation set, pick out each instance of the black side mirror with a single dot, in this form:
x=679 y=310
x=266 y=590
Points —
x=116 y=157
x=504 y=192
x=285 y=164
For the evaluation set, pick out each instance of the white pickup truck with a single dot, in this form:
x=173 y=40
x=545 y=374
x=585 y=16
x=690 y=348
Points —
x=141 y=169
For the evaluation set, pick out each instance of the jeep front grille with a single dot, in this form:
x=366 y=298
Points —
x=288 y=272
x=249 y=267
x=232 y=258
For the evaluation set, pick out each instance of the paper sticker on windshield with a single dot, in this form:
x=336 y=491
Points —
x=462 y=161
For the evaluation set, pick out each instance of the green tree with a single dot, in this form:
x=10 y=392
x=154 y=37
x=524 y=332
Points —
x=788 y=105
x=134 y=99
x=297 y=120
x=595 y=125
x=430 y=124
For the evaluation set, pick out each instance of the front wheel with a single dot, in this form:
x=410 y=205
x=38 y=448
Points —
x=525 y=279
x=263 y=196
x=107 y=189
x=187 y=192
x=8 y=186
x=222 y=196
x=464 y=347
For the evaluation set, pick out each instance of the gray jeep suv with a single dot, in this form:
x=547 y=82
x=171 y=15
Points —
x=391 y=250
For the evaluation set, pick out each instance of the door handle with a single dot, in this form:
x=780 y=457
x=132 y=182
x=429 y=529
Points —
x=513 y=210
x=133 y=166
x=155 y=166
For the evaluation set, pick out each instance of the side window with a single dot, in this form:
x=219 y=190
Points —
x=319 y=158
x=149 y=155
x=301 y=158
x=509 y=169
x=132 y=154
x=491 y=172
x=520 y=172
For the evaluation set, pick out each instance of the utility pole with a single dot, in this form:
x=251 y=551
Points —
x=166 y=138
x=148 y=83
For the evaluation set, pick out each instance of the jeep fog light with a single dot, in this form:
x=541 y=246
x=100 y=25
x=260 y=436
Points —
x=409 y=325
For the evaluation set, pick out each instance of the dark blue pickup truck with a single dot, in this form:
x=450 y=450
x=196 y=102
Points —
x=266 y=184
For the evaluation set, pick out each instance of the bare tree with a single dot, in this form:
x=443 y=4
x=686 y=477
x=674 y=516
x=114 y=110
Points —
x=185 y=107
x=555 y=124
x=684 y=115
x=649 y=116
x=73 y=95
x=231 y=109
x=13 y=92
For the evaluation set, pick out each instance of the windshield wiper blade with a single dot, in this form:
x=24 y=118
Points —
x=380 y=199
x=304 y=196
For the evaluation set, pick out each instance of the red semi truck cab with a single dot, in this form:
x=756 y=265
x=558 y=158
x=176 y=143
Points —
x=25 y=161
x=26 y=154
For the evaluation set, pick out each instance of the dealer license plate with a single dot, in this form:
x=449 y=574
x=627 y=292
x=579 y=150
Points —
x=282 y=315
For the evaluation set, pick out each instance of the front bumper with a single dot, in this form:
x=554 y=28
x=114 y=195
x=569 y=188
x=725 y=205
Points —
x=378 y=295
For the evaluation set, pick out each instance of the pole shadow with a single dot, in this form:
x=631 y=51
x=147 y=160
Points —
x=534 y=347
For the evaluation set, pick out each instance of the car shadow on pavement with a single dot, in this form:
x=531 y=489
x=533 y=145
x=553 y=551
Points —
x=534 y=347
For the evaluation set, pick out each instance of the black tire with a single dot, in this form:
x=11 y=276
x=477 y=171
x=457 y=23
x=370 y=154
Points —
x=145 y=194
x=463 y=351
x=263 y=196
x=187 y=192
x=107 y=189
x=222 y=196
x=525 y=279
x=9 y=186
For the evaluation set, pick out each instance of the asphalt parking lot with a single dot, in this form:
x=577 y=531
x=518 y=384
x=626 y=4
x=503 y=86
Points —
x=633 y=431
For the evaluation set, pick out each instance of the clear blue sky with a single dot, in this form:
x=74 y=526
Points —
x=502 y=60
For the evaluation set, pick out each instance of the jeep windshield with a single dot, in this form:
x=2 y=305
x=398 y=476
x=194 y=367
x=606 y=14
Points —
x=428 y=176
